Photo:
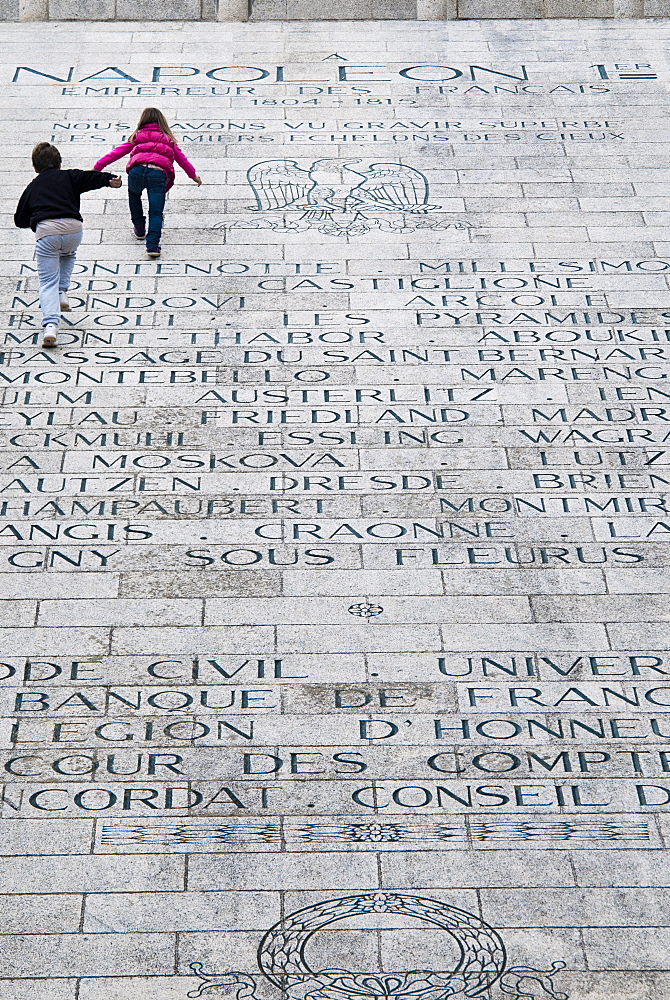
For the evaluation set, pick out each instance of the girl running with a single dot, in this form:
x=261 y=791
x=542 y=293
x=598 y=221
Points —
x=153 y=150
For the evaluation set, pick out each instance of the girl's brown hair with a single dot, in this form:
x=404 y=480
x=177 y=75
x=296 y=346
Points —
x=152 y=116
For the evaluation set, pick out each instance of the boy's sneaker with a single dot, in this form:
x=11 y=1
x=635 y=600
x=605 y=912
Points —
x=65 y=306
x=153 y=252
x=49 y=335
x=140 y=232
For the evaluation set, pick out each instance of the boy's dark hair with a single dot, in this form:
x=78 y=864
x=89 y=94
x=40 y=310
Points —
x=46 y=157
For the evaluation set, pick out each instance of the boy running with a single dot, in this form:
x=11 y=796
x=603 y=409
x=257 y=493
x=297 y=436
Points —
x=50 y=207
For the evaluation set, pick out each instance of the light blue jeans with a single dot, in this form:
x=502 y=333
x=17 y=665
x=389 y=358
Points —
x=56 y=256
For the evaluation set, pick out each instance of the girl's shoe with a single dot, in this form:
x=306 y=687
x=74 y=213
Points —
x=49 y=335
x=140 y=232
x=153 y=252
x=65 y=306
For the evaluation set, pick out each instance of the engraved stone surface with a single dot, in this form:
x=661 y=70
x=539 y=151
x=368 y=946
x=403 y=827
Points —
x=334 y=566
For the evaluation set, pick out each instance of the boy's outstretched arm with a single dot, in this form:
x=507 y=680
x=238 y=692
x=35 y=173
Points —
x=91 y=180
x=114 y=154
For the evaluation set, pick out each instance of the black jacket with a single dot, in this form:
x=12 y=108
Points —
x=54 y=194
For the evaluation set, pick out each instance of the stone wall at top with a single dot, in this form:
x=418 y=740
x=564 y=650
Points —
x=316 y=10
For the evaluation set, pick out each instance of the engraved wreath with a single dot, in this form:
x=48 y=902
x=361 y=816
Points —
x=281 y=957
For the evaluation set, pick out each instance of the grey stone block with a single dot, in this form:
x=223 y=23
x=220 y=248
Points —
x=593 y=8
x=656 y=8
x=436 y=10
x=33 y=10
x=500 y=8
x=231 y=10
x=9 y=10
x=158 y=10
x=394 y=9
x=268 y=10
x=533 y=9
x=333 y=10
x=305 y=10
x=82 y=10
x=77 y=953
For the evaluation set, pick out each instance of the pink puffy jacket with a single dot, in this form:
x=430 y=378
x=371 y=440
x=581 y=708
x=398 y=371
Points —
x=153 y=147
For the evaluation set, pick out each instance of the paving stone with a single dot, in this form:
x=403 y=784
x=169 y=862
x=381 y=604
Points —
x=333 y=544
x=58 y=585
x=79 y=874
x=618 y=949
x=52 y=954
x=38 y=989
x=50 y=836
x=273 y=872
x=37 y=641
x=123 y=987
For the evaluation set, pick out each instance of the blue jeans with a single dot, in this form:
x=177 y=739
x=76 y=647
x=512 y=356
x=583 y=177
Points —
x=56 y=256
x=142 y=178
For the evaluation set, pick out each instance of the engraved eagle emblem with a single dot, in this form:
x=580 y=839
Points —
x=332 y=186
